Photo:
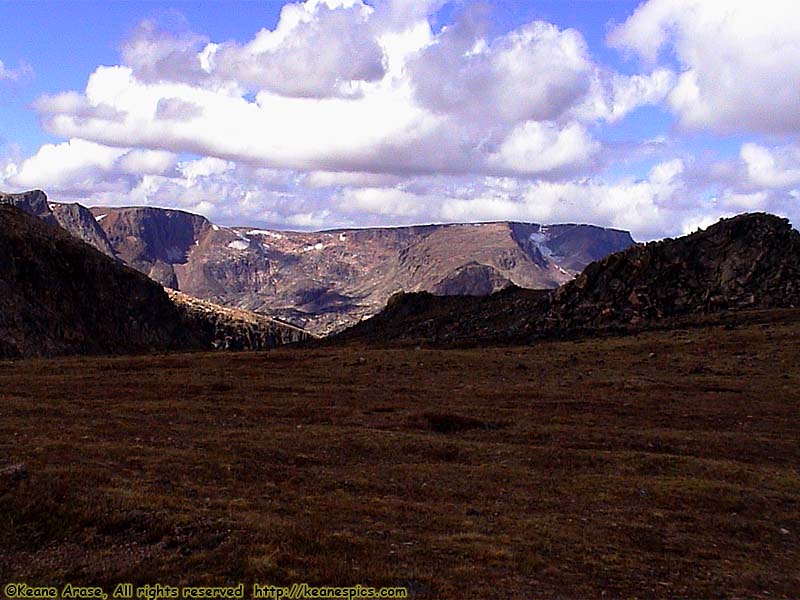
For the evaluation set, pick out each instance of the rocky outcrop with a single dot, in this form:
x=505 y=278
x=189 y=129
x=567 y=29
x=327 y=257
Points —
x=80 y=222
x=234 y=329
x=749 y=261
x=472 y=279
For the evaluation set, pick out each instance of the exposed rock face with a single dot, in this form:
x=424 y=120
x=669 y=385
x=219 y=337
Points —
x=58 y=295
x=152 y=240
x=749 y=261
x=324 y=281
x=80 y=222
x=33 y=202
x=472 y=279
x=234 y=329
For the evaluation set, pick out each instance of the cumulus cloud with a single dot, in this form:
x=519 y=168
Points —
x=323 y=179
x=74 y=165
x=390 y=202
x=157 y=53
x=348 y=113
x=318 y=49
x=542 y=147
x=740 y=60
x=534 y=72
x=771 y=168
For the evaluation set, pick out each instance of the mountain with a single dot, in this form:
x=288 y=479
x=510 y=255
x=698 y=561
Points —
x=33 y=202
x=746 y=262
x=327 y=280
x=58 y=295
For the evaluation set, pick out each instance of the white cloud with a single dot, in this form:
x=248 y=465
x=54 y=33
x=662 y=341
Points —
x=381 y=201
x=736 y=202
x=540 y=147
x=771 y=168
x=322 y=179
x=396 y=123
x=157 y=54
x=147 y=162
x=740 y=60
x=76 y=164
x=535 y=72
x=667 y=171
x=317 y=50
x=612 y=96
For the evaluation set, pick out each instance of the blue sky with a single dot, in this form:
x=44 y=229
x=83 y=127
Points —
x=656 y=116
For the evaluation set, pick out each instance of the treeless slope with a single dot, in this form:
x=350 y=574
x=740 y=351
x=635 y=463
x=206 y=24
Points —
x=59 y=295
x=662 y=465
x=233 y=328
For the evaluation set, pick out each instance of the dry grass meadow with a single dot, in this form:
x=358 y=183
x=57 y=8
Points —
x=665 y=464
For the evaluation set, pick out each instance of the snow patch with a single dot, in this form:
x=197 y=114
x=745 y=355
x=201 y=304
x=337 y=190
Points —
x=540 y=239
x=99 y=218
x=215 y=227
x=342 y=237
x=317 y=246
x=239 y=245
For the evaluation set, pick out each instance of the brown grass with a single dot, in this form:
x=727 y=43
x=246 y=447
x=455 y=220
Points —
x=661 y=465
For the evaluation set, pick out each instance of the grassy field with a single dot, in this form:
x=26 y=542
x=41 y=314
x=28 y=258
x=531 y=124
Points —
x=660 y=465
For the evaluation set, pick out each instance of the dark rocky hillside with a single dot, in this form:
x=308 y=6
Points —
x=59 y=295
x=747 y=262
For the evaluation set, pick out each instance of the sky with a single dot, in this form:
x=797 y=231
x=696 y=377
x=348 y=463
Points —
x=657 y=117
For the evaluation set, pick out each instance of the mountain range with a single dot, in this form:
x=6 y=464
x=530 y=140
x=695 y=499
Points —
x=327 y=280
x=58 y=295
x=751 y=261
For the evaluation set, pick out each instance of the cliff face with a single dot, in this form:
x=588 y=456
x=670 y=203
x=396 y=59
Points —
x=80 y=222
x=33 y=202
